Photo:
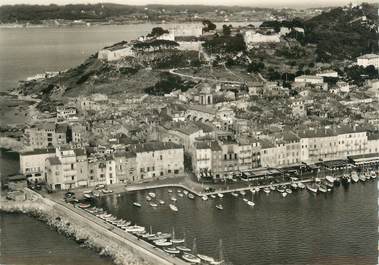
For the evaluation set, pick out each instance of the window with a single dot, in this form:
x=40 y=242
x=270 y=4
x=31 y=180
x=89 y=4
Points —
x=110 y=175
x=72 y=166
x=161 y=157
x=72 y=177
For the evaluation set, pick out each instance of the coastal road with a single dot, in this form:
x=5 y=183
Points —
x=119 y=236
x=172 y=71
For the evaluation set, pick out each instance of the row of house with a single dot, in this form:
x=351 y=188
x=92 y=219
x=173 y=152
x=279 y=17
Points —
x=65 y=167
x=220 y=157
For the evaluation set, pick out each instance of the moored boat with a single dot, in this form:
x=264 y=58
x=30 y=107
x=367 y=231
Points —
x=173 y=207
x=191 y=258
x=289 y=191
x=250 y=203
x=137 y=204
x=162 y=243
x=312 y=188
x=330 y=179
x=153 y=204
x=219 y=206
x=206 y=258
x=183 y=248
x=148 y=198
x=284 y=194
x=322 y=188
x=267 y=190
x=362 y=177
x=234 y=194
x=190 y=196
x=213 y=196
x=173 y=199
x=171 y=250
x=243 y=193
x=354 y=176
x=301 y=185
x=294 y=185
x=204 y=197
x=161 y=202
x=152 y=194
x=220 y=195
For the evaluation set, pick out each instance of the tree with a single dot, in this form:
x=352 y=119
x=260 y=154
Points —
x=208 y=25
x=226 y=30
x=157 y=32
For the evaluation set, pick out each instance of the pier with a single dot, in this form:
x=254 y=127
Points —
x=140 y=248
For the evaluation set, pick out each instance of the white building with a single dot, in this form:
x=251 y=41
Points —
x=251 y=38
x=310 y=79
x=368 y=59
x=33 y=163
x=115 y=53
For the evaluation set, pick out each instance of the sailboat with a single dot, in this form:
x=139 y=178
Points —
x=221 y=259
x=192 y=258
x=176 y=240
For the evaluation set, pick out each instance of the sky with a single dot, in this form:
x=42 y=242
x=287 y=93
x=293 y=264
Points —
x=258 y=3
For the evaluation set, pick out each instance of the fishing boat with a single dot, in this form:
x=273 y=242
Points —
x=243 y=193
x=284 y=194
x=204 y=197
x=153 y=204
x=183 y=248
x=152 y=194
x=289 y=191
x=206 y=258
x=219 y=206
x=330 y=179
x=322 y=188
x=301 y=185
x=173 y=207
x=220 y=195
x=312 y=188
x=191 y=258
x=191 y=196
x=137 y=204
x=173 y=199
x=161 y=202
x=213 y=196
x=234 y=194
x=267 y=190
x=148 y=198
x=172 y=250
x=354 y=176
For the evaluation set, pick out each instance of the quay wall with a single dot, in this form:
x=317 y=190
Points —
x=95 y=234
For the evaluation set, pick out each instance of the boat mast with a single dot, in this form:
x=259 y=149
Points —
x=221 y=252
x=194 y=247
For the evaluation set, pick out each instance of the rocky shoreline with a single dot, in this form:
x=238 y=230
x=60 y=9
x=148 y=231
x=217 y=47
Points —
x=72 y=229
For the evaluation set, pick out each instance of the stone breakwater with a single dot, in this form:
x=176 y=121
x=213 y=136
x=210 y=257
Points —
x=41 y=209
